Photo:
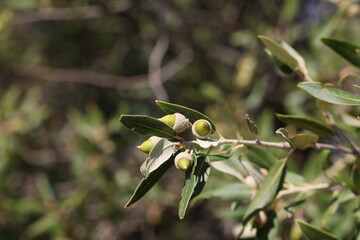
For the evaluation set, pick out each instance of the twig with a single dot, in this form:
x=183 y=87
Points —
x=155 y=60
x=303 y=189
x=285 y=145
x=60 y=14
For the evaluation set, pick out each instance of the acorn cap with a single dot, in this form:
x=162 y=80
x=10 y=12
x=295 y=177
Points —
x=149 y=144
x=201 y=128
x=177 y=121
x=183 y=161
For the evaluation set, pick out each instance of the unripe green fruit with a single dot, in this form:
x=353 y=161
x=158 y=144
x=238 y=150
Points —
x=149 y=144
x=169 y=119
x=201 y=128
x=177 y=121
x=183 y=161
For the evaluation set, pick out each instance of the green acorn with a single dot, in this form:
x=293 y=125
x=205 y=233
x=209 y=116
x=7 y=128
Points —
x=177 y=121
x=183 y=161
x=201 y=128
x=149 y=144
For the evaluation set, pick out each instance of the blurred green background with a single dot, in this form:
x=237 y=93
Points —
x=69 y=68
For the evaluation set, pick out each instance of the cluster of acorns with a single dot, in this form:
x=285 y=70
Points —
x=201 y=129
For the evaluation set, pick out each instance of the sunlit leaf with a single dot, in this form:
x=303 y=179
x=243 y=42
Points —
x=347 y=50
x=194 y=183
x=207 y=143
x=147 y=126
x=314 y=233
x=270 y=186
x=148 y=182
x=306 y=123
x=161 y=152
x=329 y=94
x=189 y=113
x=279 y=52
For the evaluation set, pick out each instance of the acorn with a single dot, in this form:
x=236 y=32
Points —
x=183 y=161
x=177 y=121
x=149 y=144
x=201 y=128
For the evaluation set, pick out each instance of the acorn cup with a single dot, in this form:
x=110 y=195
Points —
x=183 y=161
x=201 y=128
x=149 y=144
x=177 y=121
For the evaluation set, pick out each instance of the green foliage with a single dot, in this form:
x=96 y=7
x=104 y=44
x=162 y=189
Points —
x=330 y=94
x=69 y=68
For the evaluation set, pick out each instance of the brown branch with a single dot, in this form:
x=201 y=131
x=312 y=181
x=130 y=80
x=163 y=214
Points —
x=60 y=14
x=168 y=71
x=155 y=60
x=284 y=145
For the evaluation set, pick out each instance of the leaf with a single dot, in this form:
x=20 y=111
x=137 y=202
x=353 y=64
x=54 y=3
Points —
x=279 y=52
x=207 y=143
x=43 y=225
x=161 y=152
x=284 y=134
x=270 y=186
x=347 y=50
x=227 y=193
x=251 y=125
x=313 y=233
x=283 y=67
x=306 y=123
x=194 y=183
x=297 y=203
x=329 y=94
x=148 y=182
x=303 y=141
x=231 y=166
x=191 y=114
x=147 y=126
x=263 y=158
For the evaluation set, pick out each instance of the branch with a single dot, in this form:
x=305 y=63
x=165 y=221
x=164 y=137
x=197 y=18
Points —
x=168 y=71
x=155 y=60
x=60 y=14
x=285 y=145
x=302 y=189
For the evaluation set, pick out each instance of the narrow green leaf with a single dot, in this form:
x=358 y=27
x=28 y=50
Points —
x=270 y=186
x=147 y=126
x=194 y=183
x=329 y=94
x=263 y=158
x=303 y=141
x=191 y=114
x=306 y=123
x=314 y=233
x=227 y=193
x=279 y=52
x=148 y=182
x=347 y=50
x=251 y=125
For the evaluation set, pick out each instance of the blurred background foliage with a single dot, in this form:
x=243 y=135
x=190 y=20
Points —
x=70 y=68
